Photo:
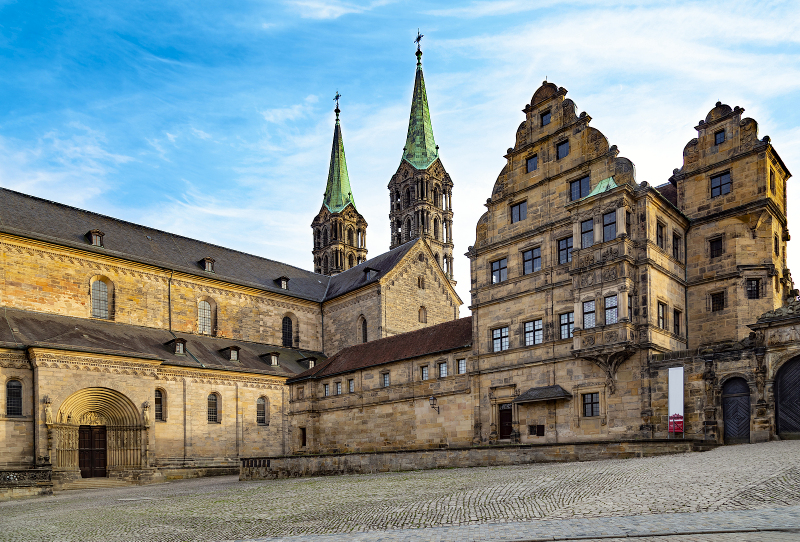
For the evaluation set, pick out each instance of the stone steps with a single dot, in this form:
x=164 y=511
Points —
x=93 y=483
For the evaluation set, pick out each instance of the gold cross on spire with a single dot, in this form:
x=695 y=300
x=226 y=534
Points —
x=418 y=39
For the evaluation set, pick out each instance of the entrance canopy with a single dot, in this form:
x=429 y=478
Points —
x=544 y=393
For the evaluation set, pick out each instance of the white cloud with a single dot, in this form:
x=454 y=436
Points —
x=200 y=133
x=281 y=115
x=171 y=137
x=332 y=9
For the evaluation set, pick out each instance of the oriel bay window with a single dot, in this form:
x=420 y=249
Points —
x=612 y=316
x=587 y=233
x=533 y=333
x=499 y=270
x=500 y=339
x=588 y=315
x=609 y=226
x=532 y=260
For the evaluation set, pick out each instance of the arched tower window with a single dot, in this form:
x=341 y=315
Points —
x=438 y=261
x=261 y=411
x=423 y=315
x=325 y=265
x=213 y=408
x=408 y=230
x=159 y=406
x=350 y=261
x=351 y=240
x=407 y=199
x=99 y=299
x=362 y=329
x=325 y=236
x=204 y=317
x=13 y=398
x=436 y=229
x=286 y=333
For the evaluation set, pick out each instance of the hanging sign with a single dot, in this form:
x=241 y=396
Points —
x=675 y=400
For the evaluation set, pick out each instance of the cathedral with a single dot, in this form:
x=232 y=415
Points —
x=138 y=355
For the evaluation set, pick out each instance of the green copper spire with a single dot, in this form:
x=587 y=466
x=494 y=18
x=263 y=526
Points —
x=338 y=193
x=420 y=150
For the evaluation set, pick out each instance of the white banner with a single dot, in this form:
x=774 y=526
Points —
x=675 y=401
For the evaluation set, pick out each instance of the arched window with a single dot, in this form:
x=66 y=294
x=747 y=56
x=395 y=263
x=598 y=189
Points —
x=436 y=197
x=407 y=200
x=436 y=228
x=408 y=229
x=363 y=329
x=286 y=335
x=99 y=299
x=261 y=411
x=437 y=259
x=350 y=261
x=204 y=318
x=325 y=265
x=14 y=398
x=325 y=237
x=421 y=283
x=159 y=406
x=213 y=408
x=423 y=315
x=351 y=238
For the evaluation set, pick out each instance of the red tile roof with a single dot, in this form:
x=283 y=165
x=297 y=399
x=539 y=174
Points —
x=422 y=342
x=669 y=191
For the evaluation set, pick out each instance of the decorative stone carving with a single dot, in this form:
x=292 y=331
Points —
x=610 y=253
x=587 y=279
x=588 y=341
x=791 y=309
x=586 y=261
x=610 y=362
x=611 y=337
x=48 y=410
x=146 y=413
x=92 y=418
x=610 y=273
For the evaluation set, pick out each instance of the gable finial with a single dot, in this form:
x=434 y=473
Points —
x=417 y=40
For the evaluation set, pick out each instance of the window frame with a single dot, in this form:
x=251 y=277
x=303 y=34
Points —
x=660 y=238
x=205 y=317
x=587 y=233
x=562 y=145
x=100 y=299
x=326 y=390
x=533 y=332
x=287 y=325
x=676 y=322
x=717 y=301
x=535 y=260
x=589 y=311
x=580 y=188
x=261 y=411
x=500 y=339
x=521 y=210
x=591 y=400
x=567 y=250
x=610 y=312
x=424 y=372
x=677 y=241
x=462 y=366
x=14 y=404
x=535 y=160
x=752 y=293
x=722 y=188
x=612 y=224
x=159 y=404
x=216 y=417
x=566 y=319
x=337 y=387
x=661 y=315
x=386 y=380
x=442 y=366
x=545 y=117
x=714 y=242
x=351 y=385
x=501 y=271
x=717 y=140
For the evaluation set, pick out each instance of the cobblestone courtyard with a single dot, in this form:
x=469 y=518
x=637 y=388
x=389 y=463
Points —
x=735 y=488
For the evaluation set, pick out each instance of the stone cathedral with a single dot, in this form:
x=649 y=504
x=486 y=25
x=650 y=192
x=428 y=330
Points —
x=134 y=354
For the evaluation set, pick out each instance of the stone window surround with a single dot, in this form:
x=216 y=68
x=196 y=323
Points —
x=724 y=293
x=663 y=241
x=531 y=248
x=527 y=163
x=677 y=235
x=265 y=423
x=532 y=322
x=385 y=379
x=424 y=372
x=491 y=330
x=5 y=414
x=496 y=259
x=164 y=404
x=219 y=407
x=718 y=174
x=715 y=237
x=663 y=302
x=110 y=295
x=579 y=391
x=560 y=142
x=513 y=203
x=439 y=364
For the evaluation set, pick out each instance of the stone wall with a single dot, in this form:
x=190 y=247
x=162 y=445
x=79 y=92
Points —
x=344 y=314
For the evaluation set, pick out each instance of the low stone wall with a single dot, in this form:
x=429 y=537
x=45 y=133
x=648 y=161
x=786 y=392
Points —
x=18 y=484
x=263 y=468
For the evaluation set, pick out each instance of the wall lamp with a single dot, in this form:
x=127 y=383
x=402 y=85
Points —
x=432 y=401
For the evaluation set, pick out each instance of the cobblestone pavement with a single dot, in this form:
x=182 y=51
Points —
x=743 y=487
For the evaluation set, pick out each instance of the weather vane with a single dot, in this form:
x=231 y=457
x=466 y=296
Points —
x=419 y=39
x=336 y=99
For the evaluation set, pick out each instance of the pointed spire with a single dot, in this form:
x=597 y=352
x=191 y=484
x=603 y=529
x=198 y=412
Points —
x=338 y=193
x=421 y=149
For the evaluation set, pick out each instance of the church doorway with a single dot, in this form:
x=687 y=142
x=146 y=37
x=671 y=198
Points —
x=92 y=451
x=506 y=426
x=736 y=411
x=787 y=400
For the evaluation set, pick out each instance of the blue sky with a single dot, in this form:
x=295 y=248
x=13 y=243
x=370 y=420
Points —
x=214 y=119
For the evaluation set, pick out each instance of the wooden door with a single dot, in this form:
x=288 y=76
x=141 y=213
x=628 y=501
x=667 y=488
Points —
x=505 y=421
x=736 y=411
x=92 y=451
x=787 y=400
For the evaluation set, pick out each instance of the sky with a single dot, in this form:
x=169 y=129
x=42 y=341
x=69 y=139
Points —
x=214 y=120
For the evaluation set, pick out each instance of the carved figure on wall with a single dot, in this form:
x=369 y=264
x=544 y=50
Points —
x=710 y=380
x=146 y=413
x=48 y=410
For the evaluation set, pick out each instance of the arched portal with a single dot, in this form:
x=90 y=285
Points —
x=97 y=431
x=736 y=411
x=787 y=400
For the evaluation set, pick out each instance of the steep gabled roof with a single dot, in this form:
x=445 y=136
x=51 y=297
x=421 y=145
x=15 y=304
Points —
x=440 y=338
x=357 y=276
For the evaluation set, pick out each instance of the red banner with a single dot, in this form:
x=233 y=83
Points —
x=676 y=423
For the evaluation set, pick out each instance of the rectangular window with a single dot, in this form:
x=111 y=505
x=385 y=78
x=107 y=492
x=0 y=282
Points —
x=565 y=250
x=327 y=389
x=717 y=301
x=676 y=246
x=588 y=315
x=545 y=117
x=533 y=163
x=338 y=388
x=533 y=333
x=579 y=189
x=536 y=430
x=385 y=380
x=719 y=137
x=753 y=288
x=772 y=180
x=676 y=322
x=499 y=339
x=351 y=385
x=532 y=260
x=462 y=366
x=720 y=184
x=442 y=370
x=612 y=316
x=587 y=233
x=499 y=270
x=567 y=323
x=660 y=235
x=628 y=223
x=630 y=308
x=562 y=150
x=715 y=247
x=519 y=212
x=662 y=316
x=591 y=404
x=424 y=371
x=609 y=226
x=776 y=248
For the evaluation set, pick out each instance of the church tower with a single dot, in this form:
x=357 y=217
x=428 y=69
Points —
x=340 y=232
x=420 y=191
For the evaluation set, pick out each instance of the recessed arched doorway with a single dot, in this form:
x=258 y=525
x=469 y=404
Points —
x=736 y=411
x=787 y=400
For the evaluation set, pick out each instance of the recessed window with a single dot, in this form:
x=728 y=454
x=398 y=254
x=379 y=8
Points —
x=385 y=380
x=303 y=437
x=720 y=184
x=662 y=315
x=677 y=241
x=630 y=308
x=213 y=408
x=562 y=150
x=591 y=405
x=532 y=163
x=777 y=247
x=772 y=180
x=338 y=388
x=545 y=117
x=717 y=301
x=753 y=287
x=95 y=237
x=676 y=322
x=715 y=247
x=500 y=339
x=612 y=314
x=424 y=372
x=301 y=392
x=567 y=324
x=204 y=318
x=442 y=370
x=500 y=270
x=287 y=340
x=99 y=299
x=351 y=385
x=588 y=315
x=462 y=366
x=532 y=260
x=423 y=315
x=536 y=430
x=421 y=283
x=363 y=330
x=660 y=235
x=587 y=233
x=13 y=398
x=533 y=332
x=234 y=353
x=159 y=406
x=519 y=212
x=261 y=411
x=326 y=390
x=610 y=226
x=719 y=137
x=579 y=189
x=565 y=250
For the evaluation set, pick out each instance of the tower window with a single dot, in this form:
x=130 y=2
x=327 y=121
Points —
x=532 y=163
x=519 y=212
x=363 y=330
x=423 y=315
x=720 y=184
x=579 y=189
x=772 y=180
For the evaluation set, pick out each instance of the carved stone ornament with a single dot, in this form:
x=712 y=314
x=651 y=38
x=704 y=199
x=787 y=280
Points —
x=48 y=412
x=586 y=261
x=610 y=273
x=146 y=413
x=587 y=279
x=610 y=363
x=784 y=335
x=588 y=341
x=610 y=253
x=611 y=337
x=92 y=418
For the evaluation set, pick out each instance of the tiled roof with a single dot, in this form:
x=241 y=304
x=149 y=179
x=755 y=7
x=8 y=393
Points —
x=422 y=342
x=669 y=191
x=27 y=328
x=545 y=393
x=357 y=276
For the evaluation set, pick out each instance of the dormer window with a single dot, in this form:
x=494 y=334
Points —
x=311 y=363
x=232 y=353
x=283 y=282
x=178 y=346
x=371 y=273
x=272 y=358
x=207 y=264
x=95 y=237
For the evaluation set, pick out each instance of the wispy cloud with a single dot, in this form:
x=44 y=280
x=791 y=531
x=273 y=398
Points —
x=332 y=9
x=200 y=134
x=281 y=115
